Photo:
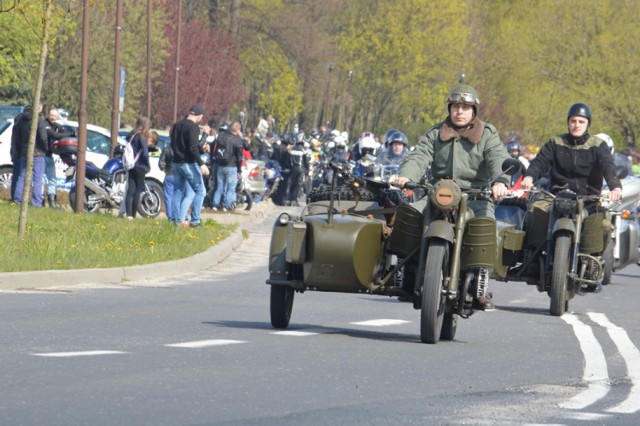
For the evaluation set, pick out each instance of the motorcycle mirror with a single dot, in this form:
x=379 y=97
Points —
x=511 y=166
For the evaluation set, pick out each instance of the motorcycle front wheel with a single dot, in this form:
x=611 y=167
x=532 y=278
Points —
x=432 y=312
x=607 y=256
x=244 y=200
x=89 y=205
x=281 y=305
x=151 y=199
x=560 y=274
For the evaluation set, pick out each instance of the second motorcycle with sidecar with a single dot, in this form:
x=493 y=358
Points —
x=363 y=237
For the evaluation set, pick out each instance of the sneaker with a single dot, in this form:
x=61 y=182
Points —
x=214 y=208
x=185 y=224
x=224 y=209
x=195 y=225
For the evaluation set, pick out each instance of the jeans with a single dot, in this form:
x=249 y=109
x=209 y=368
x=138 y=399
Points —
x=15 y=175
x=227 y=178
x=50 y=173
x=186 y=177
x=37 y=181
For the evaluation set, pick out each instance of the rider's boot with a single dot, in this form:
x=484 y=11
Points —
x=483 y=301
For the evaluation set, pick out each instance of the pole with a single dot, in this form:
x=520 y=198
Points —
x=115 y=106
x=175 y=85
x=149 y=61
x=82 y=113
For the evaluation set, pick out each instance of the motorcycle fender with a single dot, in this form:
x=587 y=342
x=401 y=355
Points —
x=441 y=229
x=564 y=224
x=278 y=266
x=628 y=241
x=295 y=252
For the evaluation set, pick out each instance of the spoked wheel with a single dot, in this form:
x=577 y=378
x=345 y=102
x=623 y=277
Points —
x=560 y=274
x=607 y=256
x=433 y=299
x=90 y=206
x=281 y=305
x=151 y=199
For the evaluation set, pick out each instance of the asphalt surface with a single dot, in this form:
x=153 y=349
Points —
x=106 y=276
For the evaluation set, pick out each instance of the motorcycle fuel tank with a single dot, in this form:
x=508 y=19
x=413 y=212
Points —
x=112 y=165
x=342 y=255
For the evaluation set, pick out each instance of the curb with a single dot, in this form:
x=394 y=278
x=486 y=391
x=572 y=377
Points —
x=32 y=280
x=119 y=275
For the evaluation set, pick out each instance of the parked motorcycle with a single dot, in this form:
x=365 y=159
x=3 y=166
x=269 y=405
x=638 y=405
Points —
x=364 y=237
x=105 y=187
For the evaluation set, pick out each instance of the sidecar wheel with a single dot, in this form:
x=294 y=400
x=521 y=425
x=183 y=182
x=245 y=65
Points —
x=433 y=299
x=607 y=256
x=560 y=274
x=281 y=305
x=449 y=326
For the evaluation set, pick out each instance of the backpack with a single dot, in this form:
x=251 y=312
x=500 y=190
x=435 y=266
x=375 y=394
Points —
x=223 y=150
x=128 y=157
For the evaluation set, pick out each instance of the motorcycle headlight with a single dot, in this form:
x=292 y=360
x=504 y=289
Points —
x=446 y=194
x=565 y=205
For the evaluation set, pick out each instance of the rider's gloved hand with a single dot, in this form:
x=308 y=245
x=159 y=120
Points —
x=527 y=183
x=399 y=181
x=499 y=190
x=615 y=194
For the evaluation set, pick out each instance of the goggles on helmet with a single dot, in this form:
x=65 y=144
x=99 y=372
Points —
x=467 y=98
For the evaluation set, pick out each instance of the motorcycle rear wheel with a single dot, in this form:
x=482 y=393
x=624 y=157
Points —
x=151 y=201
x=281 y=305
x=560 y=274
x=88 y=206
x=432 y=312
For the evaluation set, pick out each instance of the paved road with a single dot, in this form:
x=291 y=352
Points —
x=198 y=349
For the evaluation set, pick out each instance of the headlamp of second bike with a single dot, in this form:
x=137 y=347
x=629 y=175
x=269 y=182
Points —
x=446 y=194
x=565 y=203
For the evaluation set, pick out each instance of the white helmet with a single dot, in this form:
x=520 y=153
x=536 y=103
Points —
x=608 y=140
x=339 y=140
x=367 y=141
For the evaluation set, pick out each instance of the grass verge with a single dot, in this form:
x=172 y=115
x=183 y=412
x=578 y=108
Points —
x=59 y=239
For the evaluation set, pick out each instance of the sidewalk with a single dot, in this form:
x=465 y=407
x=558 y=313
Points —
x=119 y=275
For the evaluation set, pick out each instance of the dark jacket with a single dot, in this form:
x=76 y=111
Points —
x=233 y=145
x=578 y=164
x=55 y=132
x=166 y=158
x=141 y=150
x=24 y=129
x=185 y=142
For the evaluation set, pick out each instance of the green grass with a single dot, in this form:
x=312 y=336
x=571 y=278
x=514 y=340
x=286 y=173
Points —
x=59 y=239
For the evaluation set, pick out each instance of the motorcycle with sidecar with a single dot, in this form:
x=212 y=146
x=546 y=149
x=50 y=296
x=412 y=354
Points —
x=363 y=237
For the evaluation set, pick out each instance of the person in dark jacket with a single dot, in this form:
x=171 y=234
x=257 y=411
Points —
x=39 y=150
x=188 y=168
x=135 y=180
x=576 y=160
x=228 y=166
x=14 y=151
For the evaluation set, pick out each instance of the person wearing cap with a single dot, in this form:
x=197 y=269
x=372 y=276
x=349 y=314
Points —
x=464 y=148
x=188 y=168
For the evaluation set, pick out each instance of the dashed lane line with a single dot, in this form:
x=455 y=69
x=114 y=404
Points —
x=631 y=356
x=79 y=353
x=294 y=333
x=595 y=369
x=205 y=343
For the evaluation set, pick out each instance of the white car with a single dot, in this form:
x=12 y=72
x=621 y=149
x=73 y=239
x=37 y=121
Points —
x=98 y=145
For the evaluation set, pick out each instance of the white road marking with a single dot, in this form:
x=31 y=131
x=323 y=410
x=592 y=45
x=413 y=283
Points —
x=380 y=322
x=631 y=357
x=588 y=416
x=205 y=343
x=595 y=366
x=79 y=353
x=294 y=333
